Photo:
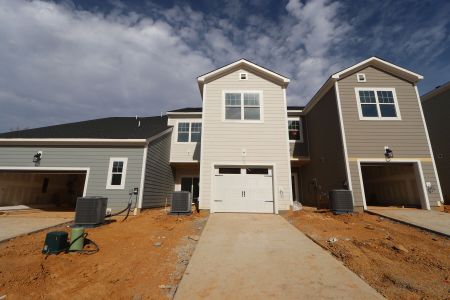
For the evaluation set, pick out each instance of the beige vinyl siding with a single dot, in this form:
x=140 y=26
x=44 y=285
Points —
x=183 y=152
x=159 y=179
x=437 y=116
x=95 y=158
x=264 y=143
x=367 y=138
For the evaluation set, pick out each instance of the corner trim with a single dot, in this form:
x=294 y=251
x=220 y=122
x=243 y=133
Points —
x=344 y=139
x=429 y=145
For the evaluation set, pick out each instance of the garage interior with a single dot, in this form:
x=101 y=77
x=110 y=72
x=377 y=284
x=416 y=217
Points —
x=391 y=184
x=44 y=189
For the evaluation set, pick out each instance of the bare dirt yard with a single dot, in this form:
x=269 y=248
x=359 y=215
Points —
x=141 y=258
x=399 y=261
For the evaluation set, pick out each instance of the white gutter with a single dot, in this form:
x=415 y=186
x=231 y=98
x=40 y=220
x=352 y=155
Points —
x=70 y=141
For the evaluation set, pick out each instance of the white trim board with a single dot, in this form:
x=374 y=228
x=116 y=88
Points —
x=379 y=62
x=35 y=141
x=203 y=78
x=124 y=173
x=242 y=92
x=429 y=146
x=37 y=169
x=377 y=104
x=344 y=140
x=421 y=184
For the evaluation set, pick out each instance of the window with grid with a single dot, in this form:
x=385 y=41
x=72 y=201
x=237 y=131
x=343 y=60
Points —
x=196 y=132
x=116 y=172
x=294 y=130
x=183 y=132
x=377 y=103
x=233 y=106
x=248 y=109
x=189 y=132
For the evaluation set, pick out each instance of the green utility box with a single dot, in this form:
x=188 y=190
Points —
x=55 y=242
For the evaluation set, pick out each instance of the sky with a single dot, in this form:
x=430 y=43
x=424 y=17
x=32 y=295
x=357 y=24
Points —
x=66 y=61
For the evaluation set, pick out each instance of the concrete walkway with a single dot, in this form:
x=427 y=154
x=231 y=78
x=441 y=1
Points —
x=431 y=220
x=14 y=226
x=258 y=256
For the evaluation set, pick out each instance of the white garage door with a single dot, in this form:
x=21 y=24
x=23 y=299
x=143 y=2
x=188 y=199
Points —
x=238 y=189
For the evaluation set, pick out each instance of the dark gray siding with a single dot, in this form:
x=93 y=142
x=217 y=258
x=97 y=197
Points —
x=159 y=179
x=298 y=149
x=366 y=138
x=94 y=158
x=327 y=163
x=437 y=116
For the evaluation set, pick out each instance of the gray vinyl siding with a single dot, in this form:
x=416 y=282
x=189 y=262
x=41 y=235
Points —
x=437 y=116
x=366 y=138
x=95 y=158
x=300 y=149
x=327 y=162
x=159 y=179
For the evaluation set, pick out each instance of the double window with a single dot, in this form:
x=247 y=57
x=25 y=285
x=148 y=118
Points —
x=294 y=130
x=243 y=106
x=379 y=103
x=117 y=172
x=189 y=132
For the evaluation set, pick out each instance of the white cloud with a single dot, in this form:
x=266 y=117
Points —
x=60 y=64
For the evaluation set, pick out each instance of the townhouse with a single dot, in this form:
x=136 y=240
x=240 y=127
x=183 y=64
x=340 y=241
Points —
x=245 y=150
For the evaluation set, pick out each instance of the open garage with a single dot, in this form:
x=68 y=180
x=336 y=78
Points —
x=41 y=188
x=392 y=184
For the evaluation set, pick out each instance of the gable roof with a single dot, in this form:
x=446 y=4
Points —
x=372 y=61
x=106 y=129
x=438 y=90
x=242 y=63
x=381 y=64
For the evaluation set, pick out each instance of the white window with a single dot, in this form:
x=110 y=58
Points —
x=295 y=129
x=243 y=106
x=377 y=104
x=117 y=172
x=243 y=76
x=361 y=77
x=189 y=132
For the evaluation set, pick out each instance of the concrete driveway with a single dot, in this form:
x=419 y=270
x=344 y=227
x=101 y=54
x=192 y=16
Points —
x=431 y=220
x=12 y=225
x=258 y=256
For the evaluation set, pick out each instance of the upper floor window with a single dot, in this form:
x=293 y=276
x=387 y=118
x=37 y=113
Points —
x=377 y=103
x=294 y=127
x=242 y=106
x=117 y=172
x=189 y=132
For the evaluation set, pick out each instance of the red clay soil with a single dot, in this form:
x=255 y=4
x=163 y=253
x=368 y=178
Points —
x=131 y=263
x=446 y=208
x=399 y=261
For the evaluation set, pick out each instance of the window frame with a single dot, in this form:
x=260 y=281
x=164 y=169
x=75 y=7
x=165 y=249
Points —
x=362 y=80
x=299 y=119
x=190 y=121
x=243 y=73
x=377 y=104
x=124 y=160
x=242 y=120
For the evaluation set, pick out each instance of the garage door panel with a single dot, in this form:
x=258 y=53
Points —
x=249 y=191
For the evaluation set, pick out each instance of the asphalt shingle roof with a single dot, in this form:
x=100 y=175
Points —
x=199 y=109
x=106 y=128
